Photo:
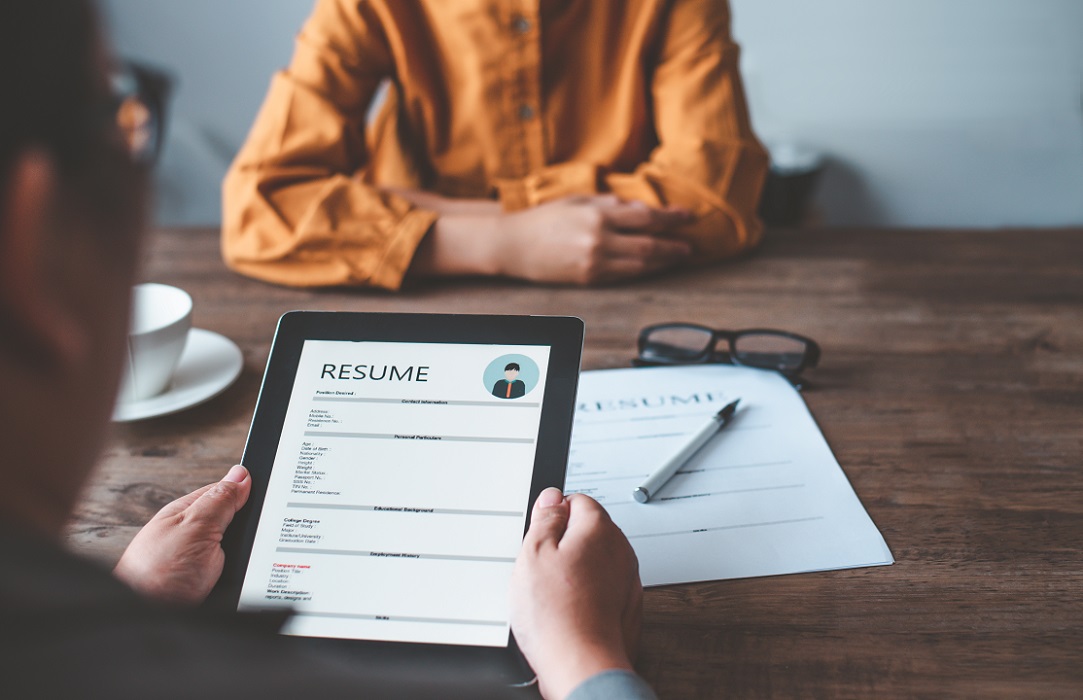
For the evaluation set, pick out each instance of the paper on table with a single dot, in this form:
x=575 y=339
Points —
x=764 y=497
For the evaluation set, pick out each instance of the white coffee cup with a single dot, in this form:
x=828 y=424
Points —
x=160 y=321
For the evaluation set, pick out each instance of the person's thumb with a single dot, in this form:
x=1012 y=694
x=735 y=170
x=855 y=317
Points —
x=549 y=519
x=219 y=503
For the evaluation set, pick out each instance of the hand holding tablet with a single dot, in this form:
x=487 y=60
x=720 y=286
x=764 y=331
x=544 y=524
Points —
x=576 y=596
x=392 y=486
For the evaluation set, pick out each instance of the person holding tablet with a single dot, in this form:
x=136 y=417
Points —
x=574 y=142
x=72 y=199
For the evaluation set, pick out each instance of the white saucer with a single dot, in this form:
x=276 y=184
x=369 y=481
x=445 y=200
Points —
x=210 y=363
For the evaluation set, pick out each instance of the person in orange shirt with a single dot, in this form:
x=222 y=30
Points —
x=558 y=141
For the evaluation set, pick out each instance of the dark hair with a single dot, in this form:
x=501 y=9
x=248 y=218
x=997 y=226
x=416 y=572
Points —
x=57 y=99
x=52 y=92
x=511 y=365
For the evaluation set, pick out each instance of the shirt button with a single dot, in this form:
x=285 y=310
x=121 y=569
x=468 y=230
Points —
x=521 y=24
x=526 y=112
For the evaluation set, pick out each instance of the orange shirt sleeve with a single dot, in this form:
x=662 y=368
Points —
x=707 y=160
x=295 y=208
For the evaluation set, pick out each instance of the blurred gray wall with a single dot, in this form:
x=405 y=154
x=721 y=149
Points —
x=932 y=112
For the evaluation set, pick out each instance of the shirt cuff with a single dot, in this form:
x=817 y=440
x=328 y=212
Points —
x=399 y=254
x=616 y=684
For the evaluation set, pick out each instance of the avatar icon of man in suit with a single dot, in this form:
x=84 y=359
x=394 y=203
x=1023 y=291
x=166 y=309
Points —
x=509 y=387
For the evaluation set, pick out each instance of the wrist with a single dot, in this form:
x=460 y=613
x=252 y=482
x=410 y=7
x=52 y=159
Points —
x=502 y=246
x=576 y=664
x=141 y=578
x=458 y=244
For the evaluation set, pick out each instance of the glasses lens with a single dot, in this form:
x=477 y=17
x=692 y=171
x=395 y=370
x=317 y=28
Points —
x=136 y=124
x=676 y=343
x=136 y=121
x=770 y=351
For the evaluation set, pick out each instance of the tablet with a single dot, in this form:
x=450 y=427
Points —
x=395 y=459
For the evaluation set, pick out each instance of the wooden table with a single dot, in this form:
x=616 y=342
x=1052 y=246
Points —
x=951 y=390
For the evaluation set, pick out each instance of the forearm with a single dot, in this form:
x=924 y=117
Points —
x=317 y=229
x=462 y=241
x=292 y=211
x=459 y=245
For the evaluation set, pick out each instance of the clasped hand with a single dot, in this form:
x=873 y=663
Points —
x=580 y=240
x=590 y=240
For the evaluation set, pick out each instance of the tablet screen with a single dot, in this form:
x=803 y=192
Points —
x=397 y=500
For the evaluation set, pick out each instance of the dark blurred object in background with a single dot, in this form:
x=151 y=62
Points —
x=790 y=184
x=158 y=87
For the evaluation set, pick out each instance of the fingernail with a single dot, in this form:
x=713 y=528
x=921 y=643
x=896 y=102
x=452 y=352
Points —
x=236 y=474
x=550 y=497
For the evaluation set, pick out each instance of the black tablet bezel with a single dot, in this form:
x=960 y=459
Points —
x=563 y=335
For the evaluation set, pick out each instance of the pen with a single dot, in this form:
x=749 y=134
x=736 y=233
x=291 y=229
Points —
x=663 y=474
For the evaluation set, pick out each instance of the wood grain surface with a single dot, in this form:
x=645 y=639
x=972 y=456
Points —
x=951 y=390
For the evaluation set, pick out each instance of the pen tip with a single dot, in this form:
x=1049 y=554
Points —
x=729 y=409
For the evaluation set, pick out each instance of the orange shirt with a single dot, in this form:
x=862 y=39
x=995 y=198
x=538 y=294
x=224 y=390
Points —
x=521 y=100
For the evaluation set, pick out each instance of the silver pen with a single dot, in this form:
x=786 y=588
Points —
x=663 y=474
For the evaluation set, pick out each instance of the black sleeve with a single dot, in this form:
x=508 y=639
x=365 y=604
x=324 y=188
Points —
x=136 y=653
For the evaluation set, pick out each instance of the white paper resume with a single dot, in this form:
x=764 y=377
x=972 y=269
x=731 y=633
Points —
x=398 y=496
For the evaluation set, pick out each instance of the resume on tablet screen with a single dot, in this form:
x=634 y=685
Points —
x=397 y=500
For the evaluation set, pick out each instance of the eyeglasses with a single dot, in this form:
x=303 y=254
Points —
x=689 y=343
x=136 y=110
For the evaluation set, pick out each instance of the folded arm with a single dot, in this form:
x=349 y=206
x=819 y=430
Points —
x=708 y=160
x=296 y=210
